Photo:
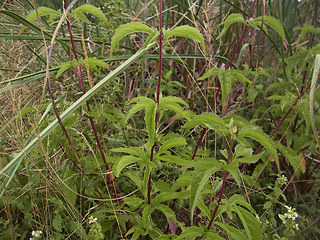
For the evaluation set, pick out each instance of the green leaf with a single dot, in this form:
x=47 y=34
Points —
x=57 y=223
x=187 y=32
x=191 y=233
x=198 y=182
x=139 y=152
x=146 y=215
x=150 y=113
x=232 y=18
x=167 y=237
x=32 y=16
x=308 y=29
x=292 y=157
x=212 y=236
x=214 y=120
x=70 y=187
x=232 y=232
x=262 y=138
x=123 y=162
x=274 y=23
x=167 y=211
x=232 y=168
x=173 y=159
x=126 y=29
x=238 y=199
x=250 y=223
x=173 y=142
x=90 y=9
x=227 y=79
x=93 y=63
x=173 y=103
x=167 y=196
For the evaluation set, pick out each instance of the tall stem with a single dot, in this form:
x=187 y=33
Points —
x=158 y=95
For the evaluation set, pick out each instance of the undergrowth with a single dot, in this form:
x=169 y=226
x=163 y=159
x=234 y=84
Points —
x=159 y=120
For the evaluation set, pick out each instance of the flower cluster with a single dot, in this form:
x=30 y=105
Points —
x=36 y=234
x=290 y=217
x=92 y=219
x=282 y=180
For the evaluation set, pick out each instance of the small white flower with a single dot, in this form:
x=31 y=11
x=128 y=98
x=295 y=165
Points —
x=293 y=218
x=285 y=215
x=297 y=226
x=289 y=216
x=33 y=232
x=284 y=222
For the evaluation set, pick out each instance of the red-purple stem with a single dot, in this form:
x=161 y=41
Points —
x=224 y=184
x=81 y=82
x=158 y=95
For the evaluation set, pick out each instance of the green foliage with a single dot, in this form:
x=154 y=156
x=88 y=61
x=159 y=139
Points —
x=150 y=175
x=77 y=13
x=187 y=32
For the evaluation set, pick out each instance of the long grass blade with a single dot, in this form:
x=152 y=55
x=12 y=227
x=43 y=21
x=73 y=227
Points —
x=9 y=170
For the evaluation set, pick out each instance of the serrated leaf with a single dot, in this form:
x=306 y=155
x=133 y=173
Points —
x=308 y=29
x=167 y=196
x=191 y=233
x=238 y=199
x=232 y=168
x=292 y=157
x=92 y=10
x=57 y=223
x=274 y=23
x=42 y=11
x=198 y=182
x=173 y=142
x=126 y=29
x=146 y=214
x=263 y=139
x=231 y=231
x=150 y=112
x=187 y=32
x=123 y=162
x=250 y=223
x=170 y=214
x=212 y=236
x=173 y=159
x=206 y=118
x=69 y=189
x=249 y=159
x=93 y=63
x=232 y=18
x=227 y=78
x=139 y=152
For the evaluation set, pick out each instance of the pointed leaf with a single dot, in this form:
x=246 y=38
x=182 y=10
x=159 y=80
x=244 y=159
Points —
x=126 y=29
x=262 y=138
x=198 y=182
x=234 y=233
x=187 y=32
x=274 y=23
x=250 y=223
x=90 y=9
x=123 y=162
x=232 y=18
x=206 y=118
x=173 y=142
